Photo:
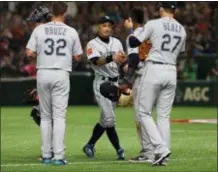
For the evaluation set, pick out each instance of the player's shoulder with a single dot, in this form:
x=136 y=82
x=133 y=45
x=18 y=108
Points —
x=152 y=21
x=92 y=41
x=38 y=28
x=115 y=40
x=138 y=30
x=183 y=28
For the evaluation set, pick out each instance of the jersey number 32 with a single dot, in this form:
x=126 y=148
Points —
x=167 y=43
x=55 y=47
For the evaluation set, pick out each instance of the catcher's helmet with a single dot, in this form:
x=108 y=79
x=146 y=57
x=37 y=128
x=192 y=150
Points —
x=40 y=14
x=167 y=4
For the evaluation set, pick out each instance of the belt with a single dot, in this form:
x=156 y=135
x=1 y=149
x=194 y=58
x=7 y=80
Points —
x=160 y=63
x=115 y=79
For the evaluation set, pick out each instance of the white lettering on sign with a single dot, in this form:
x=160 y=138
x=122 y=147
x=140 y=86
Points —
x=196 y=94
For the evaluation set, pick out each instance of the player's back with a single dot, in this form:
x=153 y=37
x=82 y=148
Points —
x=55 y=45
x=167 y=38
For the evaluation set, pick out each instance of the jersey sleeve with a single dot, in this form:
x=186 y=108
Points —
x=32 y=43
x=145 y=33
x=77 y=48
x=129 y=49
x=91 y=51
x=120 y=46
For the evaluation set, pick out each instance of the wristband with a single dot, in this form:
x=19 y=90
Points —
x=109 y=59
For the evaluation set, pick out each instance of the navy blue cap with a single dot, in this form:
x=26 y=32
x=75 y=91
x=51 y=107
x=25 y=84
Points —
x=167 y=4
x=105 y=19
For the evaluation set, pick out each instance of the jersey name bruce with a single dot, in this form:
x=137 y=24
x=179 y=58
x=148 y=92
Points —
x=59 y=31
x=173 y=27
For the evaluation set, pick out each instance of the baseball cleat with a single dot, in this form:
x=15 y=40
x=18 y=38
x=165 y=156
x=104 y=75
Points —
x=46 y=161
x=59 y=162
x=120 y=154
x=140 y=159
x=89 y=150
x=164 y=162
x=40 y=157
x=159 y=158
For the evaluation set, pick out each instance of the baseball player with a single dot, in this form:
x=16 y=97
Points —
x=39 y=16
x=158 y=82
x=105 y=53
x=137 y=17
x=54 y=44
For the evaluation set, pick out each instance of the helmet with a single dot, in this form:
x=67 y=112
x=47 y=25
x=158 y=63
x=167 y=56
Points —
x=167 y=4
x=40 y=14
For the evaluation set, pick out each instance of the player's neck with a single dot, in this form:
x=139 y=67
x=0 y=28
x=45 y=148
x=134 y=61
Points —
x=103 y=39
x=58 y=19
x=169 y=15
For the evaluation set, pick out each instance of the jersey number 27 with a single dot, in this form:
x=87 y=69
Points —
x=165 y=46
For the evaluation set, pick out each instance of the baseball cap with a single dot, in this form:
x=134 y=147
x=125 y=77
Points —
x=167 y=4
x=105 y=19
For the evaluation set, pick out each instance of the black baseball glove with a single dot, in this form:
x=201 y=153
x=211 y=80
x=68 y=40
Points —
x=110 y=90
x=31 y=98
x=35 y=114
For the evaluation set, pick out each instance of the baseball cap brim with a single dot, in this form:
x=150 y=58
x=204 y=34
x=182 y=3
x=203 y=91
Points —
x=106 y=19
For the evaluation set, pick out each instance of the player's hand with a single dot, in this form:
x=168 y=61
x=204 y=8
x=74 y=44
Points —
x=119 y=57
x=128 y=23
x=124 y=85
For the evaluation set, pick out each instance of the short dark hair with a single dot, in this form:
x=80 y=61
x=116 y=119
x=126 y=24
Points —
x=59 y=8
x=137 y=15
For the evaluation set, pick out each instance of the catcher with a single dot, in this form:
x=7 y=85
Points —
x=39 y=16
x=132 y=77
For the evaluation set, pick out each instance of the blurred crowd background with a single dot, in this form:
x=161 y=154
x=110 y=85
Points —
x=199 y=19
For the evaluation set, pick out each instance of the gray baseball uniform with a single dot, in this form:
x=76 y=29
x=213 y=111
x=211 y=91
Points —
x=54 y=43
x=158 y=82
x=98 y=48
x=144 y=140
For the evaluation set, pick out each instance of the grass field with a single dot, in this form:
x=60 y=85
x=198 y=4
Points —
x=194 y=146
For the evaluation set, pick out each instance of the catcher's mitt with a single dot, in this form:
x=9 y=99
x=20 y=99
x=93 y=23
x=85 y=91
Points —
x=144 y=49
x=35 y=114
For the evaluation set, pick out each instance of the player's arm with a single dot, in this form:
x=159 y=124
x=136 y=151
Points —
x=31 y=46
x=96 y=59
x=138 y=38
x=77 y=48
x=130 y=67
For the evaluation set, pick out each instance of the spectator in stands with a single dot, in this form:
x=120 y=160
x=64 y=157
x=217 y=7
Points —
x=213 y=73
x=197 y=17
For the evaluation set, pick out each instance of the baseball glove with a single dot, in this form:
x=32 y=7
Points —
x=35 y=114
x=126 y=99
x=144 y=49
x=110 y=90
